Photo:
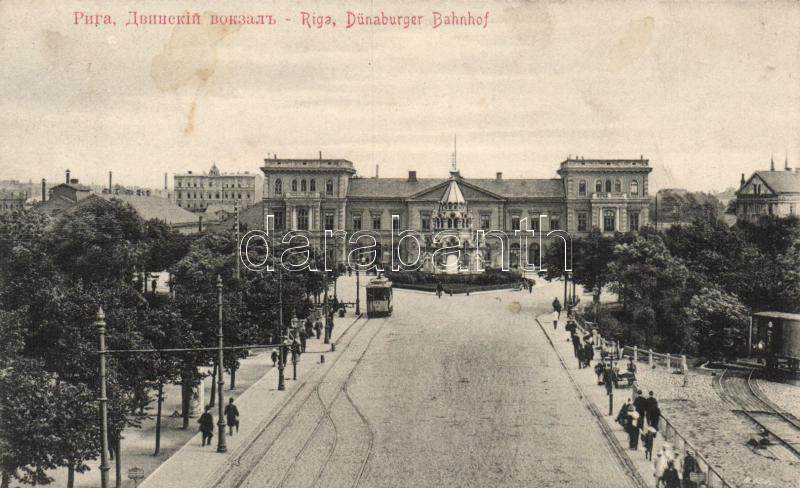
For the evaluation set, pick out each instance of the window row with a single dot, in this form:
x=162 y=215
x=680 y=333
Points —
x=211 y=184
x=216 y=196
x=312 y=186
x=601 y=187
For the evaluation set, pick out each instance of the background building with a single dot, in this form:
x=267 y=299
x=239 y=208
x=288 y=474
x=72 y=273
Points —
x=318 y=194
x=768 y=193
x=196 y=192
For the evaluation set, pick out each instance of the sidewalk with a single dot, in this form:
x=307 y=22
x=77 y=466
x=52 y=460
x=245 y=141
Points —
x=193 y=464
x=586 y=381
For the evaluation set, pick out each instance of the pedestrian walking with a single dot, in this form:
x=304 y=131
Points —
x=439 y=289
x=640 y=404
x=598 y=370
x=632 y=429
x=651 y=407
x=576 y=343
x=588 y=353
x=670 y=477
x=648 y=439
x=232 y=416
x=622 y=416
x=274 y=357
x=530 y=286
x=206 y=422
x=318 y=327
x=690 y=470
x=557 y=306
x=302 y=340
x=555 y=319
x=660 y=465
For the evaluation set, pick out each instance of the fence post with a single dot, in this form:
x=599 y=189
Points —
x=669 y=362
x=635 y=354
x=650 y=357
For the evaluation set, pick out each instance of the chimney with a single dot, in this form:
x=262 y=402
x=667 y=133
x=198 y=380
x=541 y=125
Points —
x=165 y=181
x=499 y=176
x=109 y=182
x=741 y=182
x=67 y=180
x=44 y=190
x=771 y=164
x=412 y=176
x=320 y=155
x=376 y=171
x=786 y=164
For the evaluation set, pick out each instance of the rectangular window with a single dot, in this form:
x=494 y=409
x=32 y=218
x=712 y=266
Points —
x=376 y=222
x=396 y=225
x=609 y=221
x=515 y=222
x=634 y=221
x=302 y=219
x=534 y=221
x=555 y=222
x=279 y=221
x=426 y=222
x=356 y=222
x=329 y=221
x=486 y=222
x=582 y=221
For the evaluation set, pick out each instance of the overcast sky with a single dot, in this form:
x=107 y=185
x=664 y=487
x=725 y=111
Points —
x=705 y=90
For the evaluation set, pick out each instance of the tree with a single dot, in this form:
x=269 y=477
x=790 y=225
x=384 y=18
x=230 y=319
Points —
x=591 y=256
x=718 y=321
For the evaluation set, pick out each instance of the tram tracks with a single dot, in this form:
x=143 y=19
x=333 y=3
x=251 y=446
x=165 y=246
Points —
x=240 y=472
x=741 y=392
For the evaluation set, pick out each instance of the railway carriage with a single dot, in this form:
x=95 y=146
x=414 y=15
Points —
x=775 y=337
x=379 y=297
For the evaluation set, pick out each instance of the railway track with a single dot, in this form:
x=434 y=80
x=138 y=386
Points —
x=238 y=472
x=741 y=392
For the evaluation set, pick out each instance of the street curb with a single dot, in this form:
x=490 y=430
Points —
x=630 y=469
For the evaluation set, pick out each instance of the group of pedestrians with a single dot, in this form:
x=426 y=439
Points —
x=206 y=422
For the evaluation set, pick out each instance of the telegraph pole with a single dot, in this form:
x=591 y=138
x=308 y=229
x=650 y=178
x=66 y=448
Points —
x=100 y=323
x=281 y=383
x=238 y=244
x=221 y=447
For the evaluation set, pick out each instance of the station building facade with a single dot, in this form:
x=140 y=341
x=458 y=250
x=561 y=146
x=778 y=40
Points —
x=317 y=194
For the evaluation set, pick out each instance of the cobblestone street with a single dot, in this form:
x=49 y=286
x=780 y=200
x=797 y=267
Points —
x=457 y=391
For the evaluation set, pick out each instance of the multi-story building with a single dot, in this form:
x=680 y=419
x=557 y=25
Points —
x=315 y=195
x=11 y=200
x=768 y=193
x=196 y=191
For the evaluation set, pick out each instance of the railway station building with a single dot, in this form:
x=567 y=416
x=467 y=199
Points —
x=315 y=195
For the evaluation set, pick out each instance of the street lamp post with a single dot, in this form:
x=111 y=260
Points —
x=281 y=383
x=221 y=447
x=104 y=467
x=358 y=295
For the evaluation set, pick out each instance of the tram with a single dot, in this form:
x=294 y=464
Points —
x=775 y=337
x=379 y=297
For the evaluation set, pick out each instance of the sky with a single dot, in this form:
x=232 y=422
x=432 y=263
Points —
x=705 y=90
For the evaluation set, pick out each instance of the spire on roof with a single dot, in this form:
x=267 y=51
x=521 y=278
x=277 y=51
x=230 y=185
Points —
x=455 y=153
x=453 y=193
x=771 y=163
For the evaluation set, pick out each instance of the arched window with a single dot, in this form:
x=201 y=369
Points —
x=609 y=220
x=313 y=186
x=634 y=187
x=618 y=186
x=608 y=186
x=294 y=185
x=582 y=188
x=449 y=223
x=302 y=185
x=278 y=186
x=598 y=186
x=329 y=187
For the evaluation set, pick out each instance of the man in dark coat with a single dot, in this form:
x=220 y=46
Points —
x=318 y=328
x=588 y=354
x=439 y=289
x=640 y=404
x=653 y=412
x=206 y=422
x=557 y=306
x=576 y=343
x=232 y=416
x=302 y=340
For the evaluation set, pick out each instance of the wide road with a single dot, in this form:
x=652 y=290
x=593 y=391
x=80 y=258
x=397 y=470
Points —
x=457 y=391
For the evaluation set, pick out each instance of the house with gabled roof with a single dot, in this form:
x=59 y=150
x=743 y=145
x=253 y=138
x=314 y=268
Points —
x=773 y=192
